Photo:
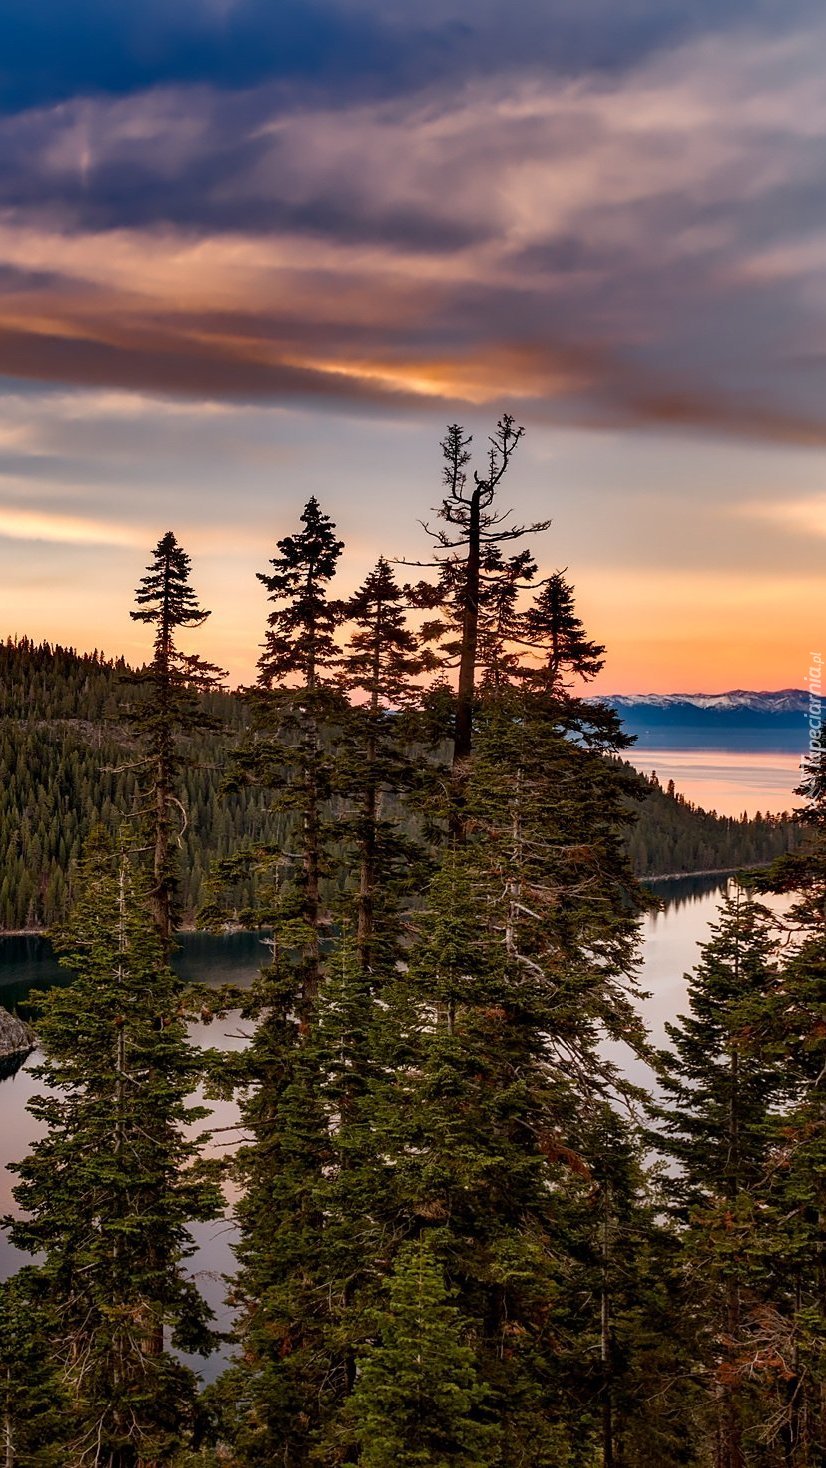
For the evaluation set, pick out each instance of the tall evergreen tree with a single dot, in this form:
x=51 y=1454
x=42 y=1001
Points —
x=381 y=659
x=469 y=559
x=419 y=1402
x=625 y=1313
x=108 y=1191
x=723 y=1086
x=794 y=1224
x=297 y=696
x=34 y=1409
x=277 y=1391
x=526 y=939
x=555 y=632
x=274 y=1394
x=173 y=680
x=501 y=620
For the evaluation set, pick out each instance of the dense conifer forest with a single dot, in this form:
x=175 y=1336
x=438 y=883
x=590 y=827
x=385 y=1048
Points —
x=65 y=750
x=464 y=1238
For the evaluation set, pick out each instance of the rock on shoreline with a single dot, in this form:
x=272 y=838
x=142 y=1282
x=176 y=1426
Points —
x=16 y=1038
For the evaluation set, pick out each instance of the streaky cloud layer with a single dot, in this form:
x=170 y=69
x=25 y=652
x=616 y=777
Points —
x=250 y=252
x=620 y=250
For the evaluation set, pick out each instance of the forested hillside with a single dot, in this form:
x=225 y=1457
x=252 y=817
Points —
x=673 y=835
x=69 y=762
x=67 y=758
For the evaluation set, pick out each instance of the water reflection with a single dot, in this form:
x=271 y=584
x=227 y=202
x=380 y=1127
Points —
x=29 y=962
x=677 y=891
x=726 y=780
x=670 y=946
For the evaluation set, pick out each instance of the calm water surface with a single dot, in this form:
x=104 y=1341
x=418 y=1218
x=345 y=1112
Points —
x=28 y=963
x=671 y=939
x=725 y=780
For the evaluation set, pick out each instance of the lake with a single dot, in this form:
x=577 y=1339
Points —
x=725 y=780
x=670 y=940
x=28 y=963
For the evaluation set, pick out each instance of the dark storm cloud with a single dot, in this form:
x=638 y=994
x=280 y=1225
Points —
x=162 y=364
x=52 y=51
x=635 y=240
x=202 y=161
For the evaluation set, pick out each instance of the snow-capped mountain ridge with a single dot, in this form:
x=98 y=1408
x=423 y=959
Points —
x=779 y=701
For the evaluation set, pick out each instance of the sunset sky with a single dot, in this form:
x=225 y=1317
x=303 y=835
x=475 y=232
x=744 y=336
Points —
x=251 y=251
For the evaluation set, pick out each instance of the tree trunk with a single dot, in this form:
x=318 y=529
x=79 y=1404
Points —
x=463 y=737
x=605 y=1338
x=8 y=1438
x=161 y=905
x=367 y=874
x=312 y=893
x=731 y=1430
x=161 y=894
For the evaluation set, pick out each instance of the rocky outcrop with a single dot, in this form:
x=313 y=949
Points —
x=16 y=1038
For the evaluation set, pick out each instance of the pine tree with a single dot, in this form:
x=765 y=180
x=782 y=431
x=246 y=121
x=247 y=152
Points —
x=108 y=1191
x=296 y=702
x=554 y=631
x=498 y=1023
x=469 y=558
x=277 y=1392
x=723 y=1087
x=34 y=1410
x=173 y=680
x=624 y=1314
x=467 y=1121
x=791 y=1237
x=380 y=661
x=488 y=1047
x=548 y=812
x=501 y=620
x=418 y=1401
x=355 y=1245
x=794 y=1224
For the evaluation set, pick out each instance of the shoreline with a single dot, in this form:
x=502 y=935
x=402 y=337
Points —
x=44 y=932
x=191 y=928
x=757 y=866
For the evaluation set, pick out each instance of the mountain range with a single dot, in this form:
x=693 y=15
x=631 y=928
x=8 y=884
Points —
x=739 y=720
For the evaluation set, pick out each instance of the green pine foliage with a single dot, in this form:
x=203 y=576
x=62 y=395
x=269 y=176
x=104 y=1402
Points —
x=418 y=1401
x=107 y=1191
x=281 y=1386
x=491 y=1060
x=171 y=708
x=272 y=1399
x=295 y=710
x=69 y=763
x=671 y=835
x=723 y=1087
x=745 y=1123
x=625 y=1312
x=66 y=751
x=791 y=1238
x=34 y=1405
x=44 y=682
x=557 y=636
x=454 y=1247
x=383 y=761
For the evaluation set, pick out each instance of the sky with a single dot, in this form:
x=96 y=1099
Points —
x=252 y=252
